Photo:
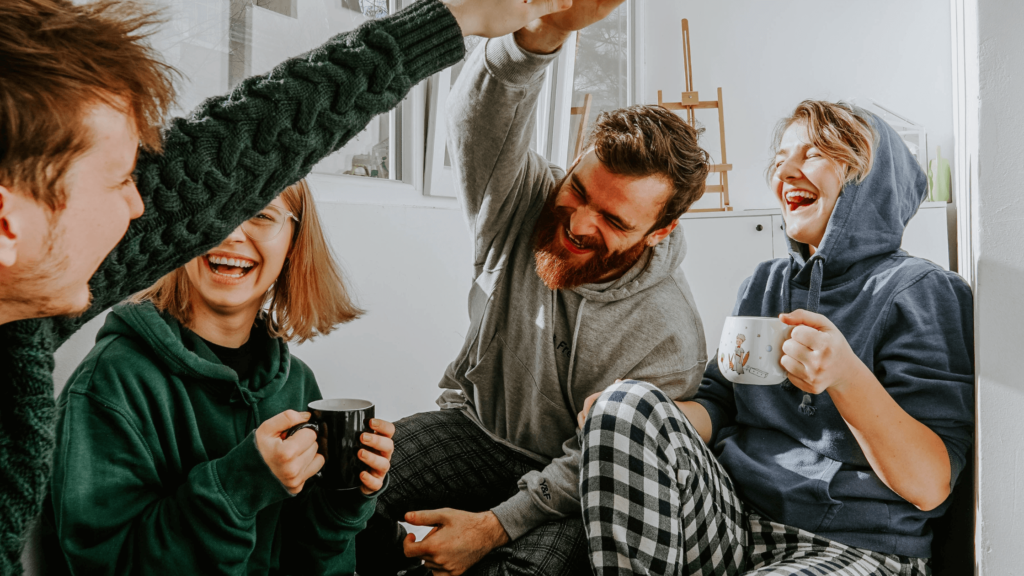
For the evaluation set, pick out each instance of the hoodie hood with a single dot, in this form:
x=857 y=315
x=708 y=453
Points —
x=185 y=354
x=868 y=220
x=655 y=265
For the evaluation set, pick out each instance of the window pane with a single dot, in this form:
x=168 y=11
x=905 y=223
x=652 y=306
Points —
x=601 y=69
x=217 y=43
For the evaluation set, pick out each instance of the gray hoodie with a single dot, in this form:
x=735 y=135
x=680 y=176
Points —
x=532 y=355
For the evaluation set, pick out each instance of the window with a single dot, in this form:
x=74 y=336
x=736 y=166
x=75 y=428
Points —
x=601 y=69
x=217 y=43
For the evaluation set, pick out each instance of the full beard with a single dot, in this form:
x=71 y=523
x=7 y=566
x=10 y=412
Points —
x=554 y=262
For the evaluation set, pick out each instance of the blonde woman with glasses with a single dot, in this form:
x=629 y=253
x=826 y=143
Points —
x=171 y=450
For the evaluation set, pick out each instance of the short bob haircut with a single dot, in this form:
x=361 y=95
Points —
x=309 y=297
x=59 y=59
x=842 y=132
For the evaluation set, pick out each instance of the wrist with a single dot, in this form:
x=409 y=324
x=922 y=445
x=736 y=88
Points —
x=496 y=533
x=539 y=37
x=852 y=384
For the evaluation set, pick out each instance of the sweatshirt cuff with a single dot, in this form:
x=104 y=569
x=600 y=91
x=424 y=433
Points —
x=716 y=415
x=428 y=36
x=509 y=63
x=246 y=480
x=352 y=507
x=518 y=515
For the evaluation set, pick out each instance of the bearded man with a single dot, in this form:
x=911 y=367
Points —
x=576 y=284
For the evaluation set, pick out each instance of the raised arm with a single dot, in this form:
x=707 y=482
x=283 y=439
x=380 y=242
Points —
x=491 y=111
x=235 y=153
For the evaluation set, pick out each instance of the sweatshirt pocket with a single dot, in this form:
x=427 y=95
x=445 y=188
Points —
x=861 y=498
x=510 y=403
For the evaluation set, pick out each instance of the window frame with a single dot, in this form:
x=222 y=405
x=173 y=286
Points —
x=552 y=130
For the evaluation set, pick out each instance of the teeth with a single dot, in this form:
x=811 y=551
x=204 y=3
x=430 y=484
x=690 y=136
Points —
x=800 y=194
x=236 y=262
x=573 y=239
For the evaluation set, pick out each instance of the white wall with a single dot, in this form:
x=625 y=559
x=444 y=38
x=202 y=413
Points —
x=999 y=228
x=768 y=56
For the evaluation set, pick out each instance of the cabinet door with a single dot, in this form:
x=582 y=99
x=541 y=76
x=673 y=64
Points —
x=721 y=253
x=780 y=243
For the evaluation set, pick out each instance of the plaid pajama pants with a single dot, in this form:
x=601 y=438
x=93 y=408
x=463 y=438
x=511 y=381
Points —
x=443 y=460
x=656 y=501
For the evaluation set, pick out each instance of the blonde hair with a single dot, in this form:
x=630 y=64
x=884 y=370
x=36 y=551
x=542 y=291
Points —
x=839 y=130
x=308 y=298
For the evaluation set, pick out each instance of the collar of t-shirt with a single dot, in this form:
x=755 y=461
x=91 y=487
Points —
x=238 y=359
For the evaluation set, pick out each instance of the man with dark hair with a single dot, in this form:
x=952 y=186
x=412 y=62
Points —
x=577 y=284
x=87 y=219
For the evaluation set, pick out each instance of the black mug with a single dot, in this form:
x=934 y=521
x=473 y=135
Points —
x=338 y=424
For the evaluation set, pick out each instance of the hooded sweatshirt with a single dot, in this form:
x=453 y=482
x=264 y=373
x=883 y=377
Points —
x=156 y=468
x=790 y=454
x=532 y=355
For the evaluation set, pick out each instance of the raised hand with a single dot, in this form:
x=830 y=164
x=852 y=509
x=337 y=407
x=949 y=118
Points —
x=492 y=18
x=546 y=34
x=293 y=459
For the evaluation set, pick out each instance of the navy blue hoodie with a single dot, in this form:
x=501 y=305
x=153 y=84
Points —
x=790 y=454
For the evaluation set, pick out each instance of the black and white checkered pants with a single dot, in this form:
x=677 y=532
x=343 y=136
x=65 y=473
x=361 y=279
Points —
x=657 y=501
x=443 y=460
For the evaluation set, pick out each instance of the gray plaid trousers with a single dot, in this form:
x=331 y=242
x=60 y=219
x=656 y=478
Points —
x=656 y=501
x=443 y=460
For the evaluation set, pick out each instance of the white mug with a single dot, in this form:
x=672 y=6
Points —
x=750 y=350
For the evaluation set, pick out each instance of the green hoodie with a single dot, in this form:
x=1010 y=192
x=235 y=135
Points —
x=156 y=468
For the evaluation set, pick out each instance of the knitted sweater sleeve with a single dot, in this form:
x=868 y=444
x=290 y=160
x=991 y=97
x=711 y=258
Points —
x=235 y=153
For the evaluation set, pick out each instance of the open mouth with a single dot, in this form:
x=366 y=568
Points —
x=574 y=244
x=229 y=267
x=575 y=241
x=797 y=199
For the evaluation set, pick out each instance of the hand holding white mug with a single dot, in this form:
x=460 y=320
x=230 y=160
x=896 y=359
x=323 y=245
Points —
x=293 y=459
x=817 y=355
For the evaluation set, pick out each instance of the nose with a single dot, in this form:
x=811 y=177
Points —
x=583 y=222
x=236 y=236
x=135 y=205
x=790 y=169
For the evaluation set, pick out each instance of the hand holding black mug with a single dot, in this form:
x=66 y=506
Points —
x=356 y=447
x=292 y=458
x=289 y=445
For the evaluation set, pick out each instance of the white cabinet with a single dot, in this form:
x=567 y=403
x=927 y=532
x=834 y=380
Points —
x=723 y=249
x=721 y=252
x=780 y=242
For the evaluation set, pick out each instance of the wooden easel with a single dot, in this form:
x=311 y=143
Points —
x=581 y=131
x=690 y=102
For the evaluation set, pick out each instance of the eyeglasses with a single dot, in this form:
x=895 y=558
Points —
x=266 y=225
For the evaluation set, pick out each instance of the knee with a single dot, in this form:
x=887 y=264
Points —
x=627 y=397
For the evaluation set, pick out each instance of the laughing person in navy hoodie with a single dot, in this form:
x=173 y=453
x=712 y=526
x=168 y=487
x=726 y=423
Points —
x=839 y=469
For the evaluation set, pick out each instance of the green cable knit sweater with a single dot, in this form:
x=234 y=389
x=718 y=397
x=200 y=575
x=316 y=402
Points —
x=220 y=166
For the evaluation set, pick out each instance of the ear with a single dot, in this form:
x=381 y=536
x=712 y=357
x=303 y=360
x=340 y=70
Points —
x=660 y=234
x=8 y=229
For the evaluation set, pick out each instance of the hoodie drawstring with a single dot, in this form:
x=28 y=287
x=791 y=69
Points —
x=249 y=400
x=813 y=300
x=572 y=354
